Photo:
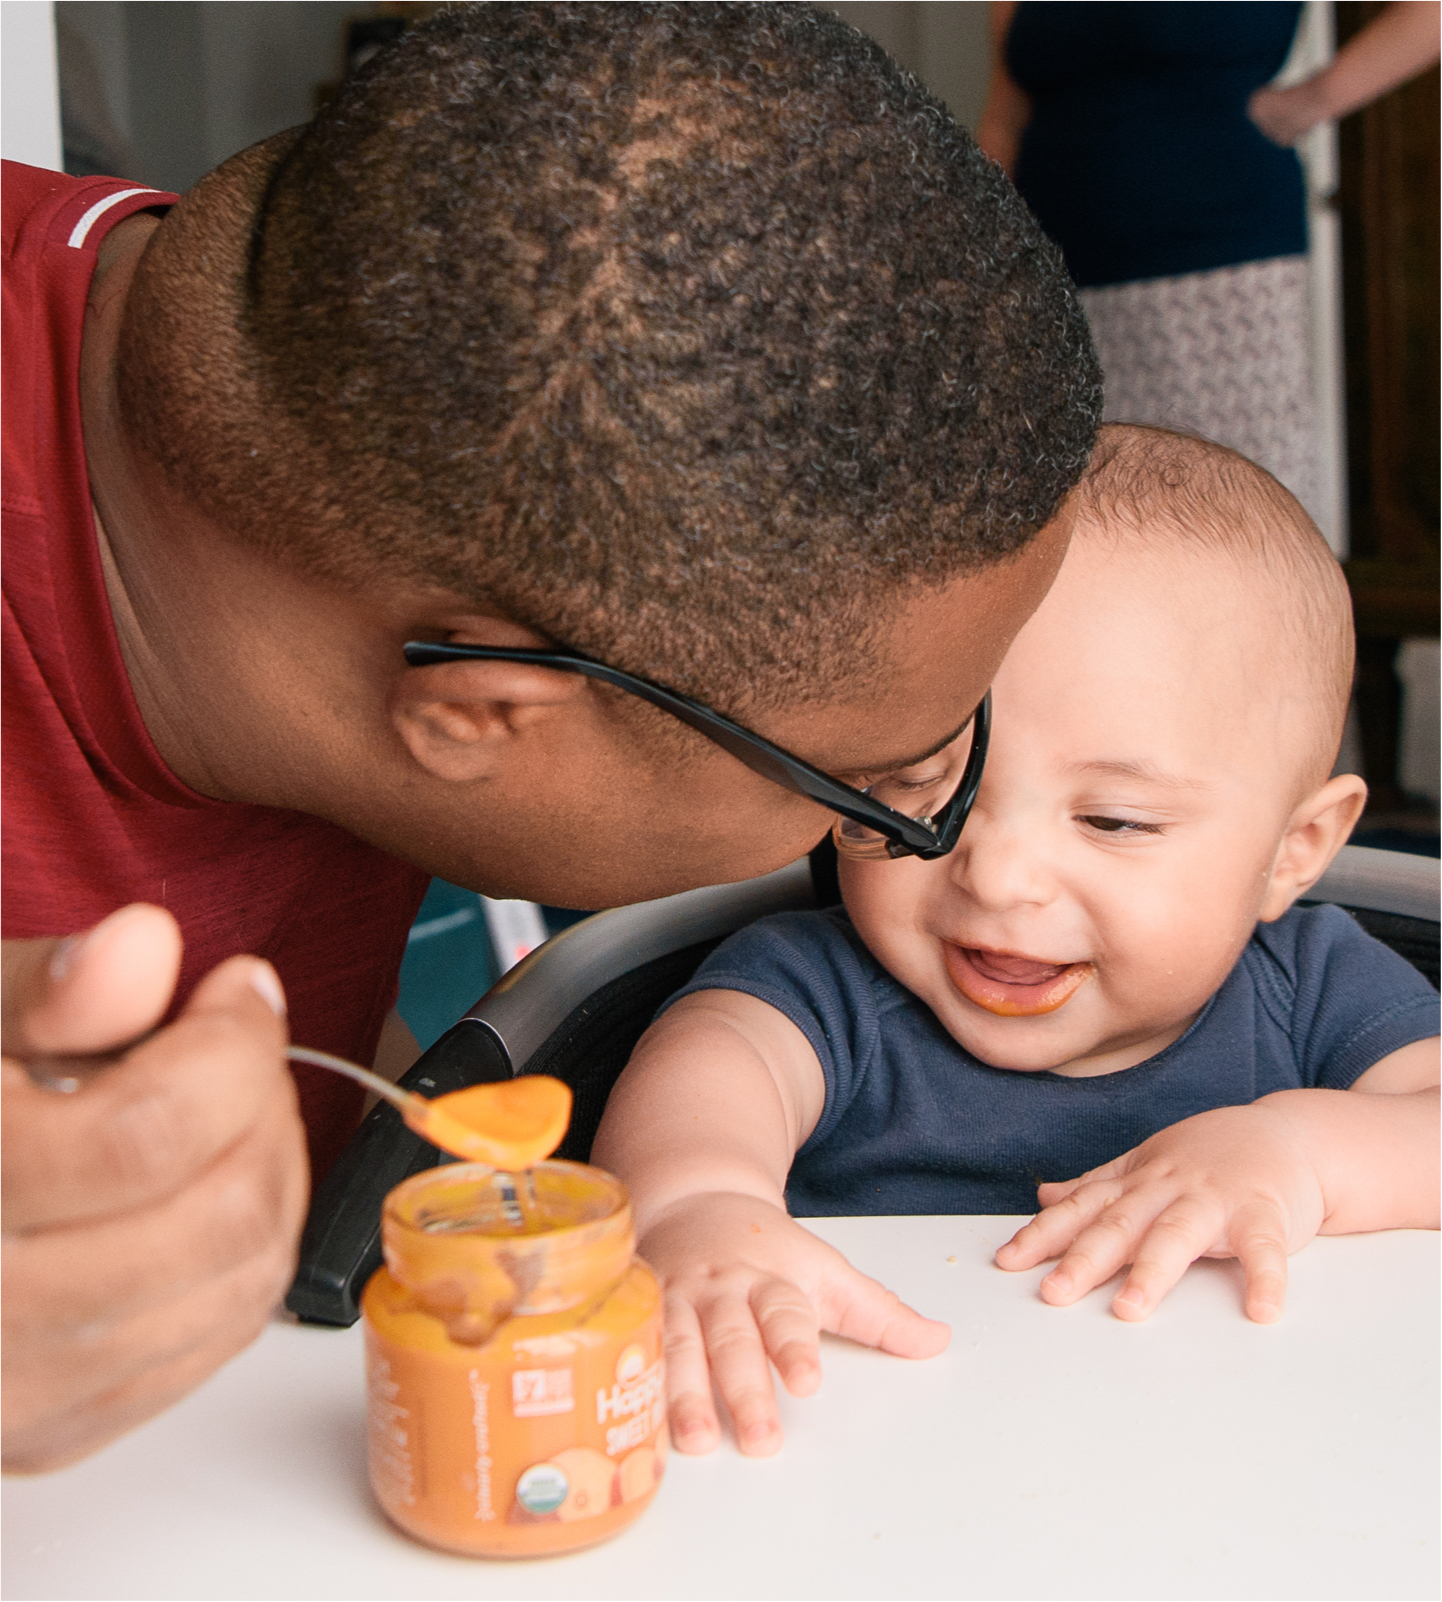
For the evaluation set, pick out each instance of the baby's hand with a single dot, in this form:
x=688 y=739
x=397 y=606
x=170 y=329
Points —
x=745 y=1283
x=1233 y=1182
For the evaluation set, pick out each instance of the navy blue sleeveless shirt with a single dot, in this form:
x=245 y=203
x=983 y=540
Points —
x=1140 y=160
x=913 y=1123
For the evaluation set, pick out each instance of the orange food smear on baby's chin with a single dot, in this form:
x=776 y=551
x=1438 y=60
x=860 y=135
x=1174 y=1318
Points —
x=510 y=1125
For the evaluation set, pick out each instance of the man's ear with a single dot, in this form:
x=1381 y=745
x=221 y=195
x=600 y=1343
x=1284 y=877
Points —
x=462 y=720
x=1316 y=832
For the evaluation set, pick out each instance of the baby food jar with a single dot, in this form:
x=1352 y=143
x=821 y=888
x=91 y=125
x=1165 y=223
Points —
x=513 y=1358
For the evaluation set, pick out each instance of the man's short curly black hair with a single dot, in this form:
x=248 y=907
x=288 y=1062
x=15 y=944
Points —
x=690 y=335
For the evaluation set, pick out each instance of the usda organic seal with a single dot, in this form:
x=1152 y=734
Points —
x=542 y=1488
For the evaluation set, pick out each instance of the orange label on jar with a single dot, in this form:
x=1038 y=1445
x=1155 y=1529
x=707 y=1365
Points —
x=549 y=1436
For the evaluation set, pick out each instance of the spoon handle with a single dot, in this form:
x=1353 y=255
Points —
x=362 y=1076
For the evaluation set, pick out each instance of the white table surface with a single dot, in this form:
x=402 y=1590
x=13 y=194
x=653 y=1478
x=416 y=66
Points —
x=1046 y=1454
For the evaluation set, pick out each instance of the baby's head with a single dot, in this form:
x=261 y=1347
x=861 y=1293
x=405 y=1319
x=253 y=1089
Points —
x=1158 y=775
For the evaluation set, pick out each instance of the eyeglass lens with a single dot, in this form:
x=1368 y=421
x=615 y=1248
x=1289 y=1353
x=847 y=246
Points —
x=921 y=792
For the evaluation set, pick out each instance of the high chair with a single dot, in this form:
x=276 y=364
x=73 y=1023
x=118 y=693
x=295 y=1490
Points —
x=576 y=1007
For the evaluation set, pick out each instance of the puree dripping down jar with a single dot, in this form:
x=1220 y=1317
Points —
x=513 y=1361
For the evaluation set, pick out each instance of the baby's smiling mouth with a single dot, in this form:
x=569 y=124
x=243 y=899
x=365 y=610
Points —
x=1012 y=986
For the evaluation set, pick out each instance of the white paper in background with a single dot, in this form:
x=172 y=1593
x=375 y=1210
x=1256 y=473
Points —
x=30 y=102
x=516 y=928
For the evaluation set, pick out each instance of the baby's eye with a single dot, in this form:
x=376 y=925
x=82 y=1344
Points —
x=1108 y=825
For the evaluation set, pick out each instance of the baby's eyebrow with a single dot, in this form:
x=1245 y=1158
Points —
x=1145 y=772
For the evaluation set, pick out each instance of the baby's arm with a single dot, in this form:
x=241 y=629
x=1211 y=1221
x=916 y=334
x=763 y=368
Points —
x=1254 y=1182
x=702 y=1126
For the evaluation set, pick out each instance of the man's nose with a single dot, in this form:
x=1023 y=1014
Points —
x=1000 y=862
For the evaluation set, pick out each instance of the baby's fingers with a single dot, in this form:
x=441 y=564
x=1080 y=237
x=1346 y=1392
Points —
x=1060 y=1222
x=1054 y=1190
x=690 y=1409
x=862 y=1310
x=1178 y=1236
x=788 y=1326
x=742 y=1372
x=1262 y=1252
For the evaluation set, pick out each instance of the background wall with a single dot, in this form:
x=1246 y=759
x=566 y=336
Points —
x=947 y=45
x=188 y=83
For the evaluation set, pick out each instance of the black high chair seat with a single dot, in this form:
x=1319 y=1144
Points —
x=576 y=1007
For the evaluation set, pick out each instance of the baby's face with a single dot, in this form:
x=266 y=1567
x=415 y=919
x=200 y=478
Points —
x=1142 y=770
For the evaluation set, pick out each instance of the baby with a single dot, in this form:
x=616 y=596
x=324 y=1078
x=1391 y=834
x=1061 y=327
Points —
x=1107 y=978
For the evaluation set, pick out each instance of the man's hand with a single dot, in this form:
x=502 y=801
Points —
x=151 y=1207
x=746 y=1286
x=1234 y=1182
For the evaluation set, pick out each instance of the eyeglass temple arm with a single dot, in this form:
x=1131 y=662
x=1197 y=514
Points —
x=770 y=761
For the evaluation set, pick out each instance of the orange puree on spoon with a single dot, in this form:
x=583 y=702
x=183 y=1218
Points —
x=513 y=1124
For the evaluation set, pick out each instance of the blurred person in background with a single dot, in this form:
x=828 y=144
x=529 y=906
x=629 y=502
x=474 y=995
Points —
x=1149 y=144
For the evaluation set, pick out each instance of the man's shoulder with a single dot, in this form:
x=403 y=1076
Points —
x=37 y=205
x=27 y=194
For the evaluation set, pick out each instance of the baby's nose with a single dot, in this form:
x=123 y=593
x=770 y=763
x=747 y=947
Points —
x=1000 y=865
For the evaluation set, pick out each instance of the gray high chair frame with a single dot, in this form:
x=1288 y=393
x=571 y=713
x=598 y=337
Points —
x=577 y=1005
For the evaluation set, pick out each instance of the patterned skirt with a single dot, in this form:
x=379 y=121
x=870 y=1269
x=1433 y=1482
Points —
x=1221 y=353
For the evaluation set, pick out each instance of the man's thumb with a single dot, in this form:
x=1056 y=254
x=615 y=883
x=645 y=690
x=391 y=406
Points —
x=93 y=991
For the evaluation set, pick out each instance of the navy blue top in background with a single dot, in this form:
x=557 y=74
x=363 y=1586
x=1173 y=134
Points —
x=1140 y=160
x=913 y=1123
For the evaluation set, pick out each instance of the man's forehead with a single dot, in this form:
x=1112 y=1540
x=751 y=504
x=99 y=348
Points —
x=895 y=761
x=935 y=656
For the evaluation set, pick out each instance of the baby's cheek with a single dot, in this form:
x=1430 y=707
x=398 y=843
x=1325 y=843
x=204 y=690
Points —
x=1166 y=971
x=885 y=900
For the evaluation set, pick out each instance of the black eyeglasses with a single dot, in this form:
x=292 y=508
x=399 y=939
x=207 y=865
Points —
x=867 y=826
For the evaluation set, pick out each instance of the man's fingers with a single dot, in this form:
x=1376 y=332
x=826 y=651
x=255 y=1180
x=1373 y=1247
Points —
x=859 y=1309
x=690 y=1409
x=1261 y=1249
x=245 y=1207
x=137 y=1369
x=1177 y=1237
x=742 y=1372
x=92 y=992
x=115 y=1319
x=143 y=1129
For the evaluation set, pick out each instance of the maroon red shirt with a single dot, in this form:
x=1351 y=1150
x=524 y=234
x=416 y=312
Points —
x=93 y=818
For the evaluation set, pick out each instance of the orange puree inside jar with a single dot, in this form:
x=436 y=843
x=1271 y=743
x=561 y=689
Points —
x=514 y=1360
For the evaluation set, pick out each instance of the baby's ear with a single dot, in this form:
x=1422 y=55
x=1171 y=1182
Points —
x=1316 y=832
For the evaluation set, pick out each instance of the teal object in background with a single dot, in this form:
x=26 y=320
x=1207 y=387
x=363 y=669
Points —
x=448 y=964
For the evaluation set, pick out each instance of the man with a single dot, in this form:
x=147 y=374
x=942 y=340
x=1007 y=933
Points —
x=694 y=339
